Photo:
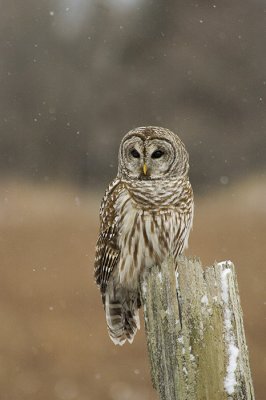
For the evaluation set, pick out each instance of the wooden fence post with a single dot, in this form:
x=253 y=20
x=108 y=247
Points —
x=195 y=334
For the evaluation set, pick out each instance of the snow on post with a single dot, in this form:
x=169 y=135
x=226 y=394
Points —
x=195 y=334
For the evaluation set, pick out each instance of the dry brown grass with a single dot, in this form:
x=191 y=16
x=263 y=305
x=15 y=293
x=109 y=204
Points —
x=53 y=338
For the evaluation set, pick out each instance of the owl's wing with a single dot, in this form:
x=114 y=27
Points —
x=107 y=251
x=185 y=212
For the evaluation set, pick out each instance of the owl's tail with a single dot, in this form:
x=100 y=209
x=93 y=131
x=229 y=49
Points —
x=122 y=316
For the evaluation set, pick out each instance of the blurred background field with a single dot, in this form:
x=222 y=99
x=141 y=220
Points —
x=53 y=337
x=75 y=76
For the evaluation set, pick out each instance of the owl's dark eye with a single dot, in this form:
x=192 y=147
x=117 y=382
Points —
x=135 y=153
x=157 y=154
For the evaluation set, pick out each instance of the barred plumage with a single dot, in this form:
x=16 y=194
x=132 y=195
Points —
x=146 y=214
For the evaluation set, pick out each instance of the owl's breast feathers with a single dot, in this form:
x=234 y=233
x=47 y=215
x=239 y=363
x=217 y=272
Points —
x=141 y=222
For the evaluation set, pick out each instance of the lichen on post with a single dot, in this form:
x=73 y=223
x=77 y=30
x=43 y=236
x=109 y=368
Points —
x=195 y=333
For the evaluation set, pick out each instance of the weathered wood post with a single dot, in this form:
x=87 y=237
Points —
x=195 y=332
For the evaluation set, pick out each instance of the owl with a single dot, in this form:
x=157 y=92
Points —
x=146 y=215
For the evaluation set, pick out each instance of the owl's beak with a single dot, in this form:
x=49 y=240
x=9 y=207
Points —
x=145 y=168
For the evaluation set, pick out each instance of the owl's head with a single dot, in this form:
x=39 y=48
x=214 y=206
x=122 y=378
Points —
x=152 y=153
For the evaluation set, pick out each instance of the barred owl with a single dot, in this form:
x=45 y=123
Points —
x=146 y=214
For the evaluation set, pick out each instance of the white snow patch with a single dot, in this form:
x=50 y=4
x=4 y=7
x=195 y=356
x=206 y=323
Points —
x=160 y=276
x=181 y=339
x=224 y=282
x=176 y=279
x=144 y=287
x=227 y=262
x=233 y=351
x=204 y=300
x=230 y=379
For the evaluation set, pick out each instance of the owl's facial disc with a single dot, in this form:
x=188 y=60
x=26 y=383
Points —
x=147 y=159
x=159 y=157
x=152 y=153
